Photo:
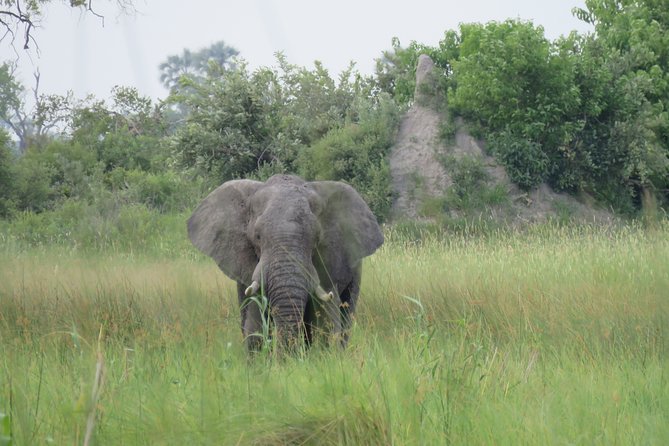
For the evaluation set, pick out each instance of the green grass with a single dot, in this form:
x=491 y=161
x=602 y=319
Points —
x=556 y=335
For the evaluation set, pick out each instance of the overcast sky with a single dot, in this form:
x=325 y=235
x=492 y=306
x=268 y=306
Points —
x=77 y=53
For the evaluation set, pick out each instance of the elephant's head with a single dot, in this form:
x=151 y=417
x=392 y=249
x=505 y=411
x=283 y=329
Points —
x=282 y=235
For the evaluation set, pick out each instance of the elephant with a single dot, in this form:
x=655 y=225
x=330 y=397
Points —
x=298 y=243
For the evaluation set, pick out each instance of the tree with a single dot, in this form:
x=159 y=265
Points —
x=227 y=133
x=125 y=134
x=630 y=50
x=11 y=103
x=106 y=148
x=517 y=89
x=195 y=64
x=357 y=151
x=289 y=119
x=21 y=17
x=30 y=125
x=7 y=176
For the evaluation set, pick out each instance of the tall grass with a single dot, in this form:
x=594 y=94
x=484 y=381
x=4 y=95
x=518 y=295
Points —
x=551 y=336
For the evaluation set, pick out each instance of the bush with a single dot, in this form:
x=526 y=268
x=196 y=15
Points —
x=109 y=225
x=396 y=69
x=33 y=186
x=470 y=191
x=166 y=191
x=357 y=153
x=59 y=171
x=7 y=176
x=525 y=162
x=252 y=124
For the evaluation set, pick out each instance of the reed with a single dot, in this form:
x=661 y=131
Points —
x=552 y=335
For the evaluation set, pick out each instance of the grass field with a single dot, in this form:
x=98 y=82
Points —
x=556 y=335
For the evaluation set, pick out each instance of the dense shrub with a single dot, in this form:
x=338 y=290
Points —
x=7 y=176
x=60 y=170
x=165 y=191
x=128 y=132
x=471 y=190
x=525 y=162
x=107 y=225
x=357 y=153
x=396 y=69
x=255 y=123
x=518 y=90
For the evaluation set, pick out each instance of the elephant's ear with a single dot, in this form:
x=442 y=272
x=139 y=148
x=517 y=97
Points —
x=218 y=228
x=350 y=229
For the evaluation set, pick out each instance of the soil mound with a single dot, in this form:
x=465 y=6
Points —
x=424 y=171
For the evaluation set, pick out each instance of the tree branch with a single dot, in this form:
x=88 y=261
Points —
x=35 y=89
x=13 y=17
x=19 y=18
x=90 y=9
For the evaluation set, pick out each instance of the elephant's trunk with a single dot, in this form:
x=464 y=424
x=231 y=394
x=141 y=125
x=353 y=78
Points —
x=288 y=291
x=287 y=306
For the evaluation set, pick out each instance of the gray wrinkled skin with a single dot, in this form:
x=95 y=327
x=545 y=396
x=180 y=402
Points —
x=289 y=236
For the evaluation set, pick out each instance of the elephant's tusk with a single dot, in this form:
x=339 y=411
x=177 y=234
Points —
x=253 y=289
x=322 y=295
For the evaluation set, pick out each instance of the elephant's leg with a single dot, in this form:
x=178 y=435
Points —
x=310 y=322
x=252 y=327
x=334 y=319
x=241 y=297
x=324 y=321
x=349 y=299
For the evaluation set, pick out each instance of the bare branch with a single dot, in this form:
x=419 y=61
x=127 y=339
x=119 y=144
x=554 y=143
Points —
x=19 y=18
x=35 y=89
x=14 y=17
x=90 y=9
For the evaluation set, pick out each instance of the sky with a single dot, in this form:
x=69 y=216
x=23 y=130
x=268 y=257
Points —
x=77 y=52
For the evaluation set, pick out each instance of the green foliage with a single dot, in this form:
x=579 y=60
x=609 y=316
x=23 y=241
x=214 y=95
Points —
x=470 y=192
x=448 y=130
x=111 y=152
x=127 y=133
x=396 y=69
x=289 y=119
x=12 y=103
x=7 y=176
x=166 y=191
x=226 y=135
x=10 y=92
x=632 y=47
x=525 y=162
x=109 y=224
x=59 y=171
x=501 y=71
x=515 y=86
x=467 y=172
x=195 y=64
x=582 y=113
x=518 y=91
x=357 y=153
x=5 y=430
x=238 y=124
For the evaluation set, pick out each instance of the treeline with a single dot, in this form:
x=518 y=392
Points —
x=220 y=122
x=584 y=113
